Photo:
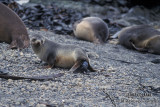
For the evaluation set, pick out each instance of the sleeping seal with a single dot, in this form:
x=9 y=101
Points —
x=92 y=29
x=140 y=37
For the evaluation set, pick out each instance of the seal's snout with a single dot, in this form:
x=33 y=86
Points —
x=35 y=42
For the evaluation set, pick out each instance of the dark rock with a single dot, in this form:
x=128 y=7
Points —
x=146 y=3
x=3 y=72
x=51 y=17
x=156 y=61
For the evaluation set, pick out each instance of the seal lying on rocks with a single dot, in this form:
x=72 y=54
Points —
x=12 y=29
x=140 y=37
x=92 y=29
x=58 y=55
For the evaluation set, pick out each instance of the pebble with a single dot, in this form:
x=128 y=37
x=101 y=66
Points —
x=41 y=105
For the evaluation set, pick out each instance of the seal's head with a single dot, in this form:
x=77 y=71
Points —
x=153 y=45
x=37 y=42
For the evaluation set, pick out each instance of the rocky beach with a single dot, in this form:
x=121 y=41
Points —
x=124 y=78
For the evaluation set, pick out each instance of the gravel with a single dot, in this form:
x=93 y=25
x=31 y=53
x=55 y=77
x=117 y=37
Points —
x=124 y=78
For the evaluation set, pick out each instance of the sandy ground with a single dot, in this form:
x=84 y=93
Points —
x=125 y=78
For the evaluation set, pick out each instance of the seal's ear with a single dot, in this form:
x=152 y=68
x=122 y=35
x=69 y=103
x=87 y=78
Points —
x=139 y=49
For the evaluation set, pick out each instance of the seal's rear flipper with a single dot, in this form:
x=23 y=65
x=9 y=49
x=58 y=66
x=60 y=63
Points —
x=115 y=36
x=46 y=66
x=82 y=67
x=75 y=66
x=139 y=49
x=91 y=69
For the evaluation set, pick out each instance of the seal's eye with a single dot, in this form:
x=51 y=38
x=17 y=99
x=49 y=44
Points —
x=42 y=41
x=33 y=40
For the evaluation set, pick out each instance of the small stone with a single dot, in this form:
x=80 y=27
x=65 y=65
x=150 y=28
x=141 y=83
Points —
x=43 y=87
x=111 y=69
x=41 y=105
x=10 y=80
x=21 y=53
x=22 y=89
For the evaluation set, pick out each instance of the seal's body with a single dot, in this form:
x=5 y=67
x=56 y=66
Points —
x=57 y=55
x=12 y=29
x=92 y=29
x=141 y=38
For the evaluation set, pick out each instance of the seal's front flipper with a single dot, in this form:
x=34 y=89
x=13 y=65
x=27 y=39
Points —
x=46 y=67
x=91 y=69
x=17 y=44
x=13 y=45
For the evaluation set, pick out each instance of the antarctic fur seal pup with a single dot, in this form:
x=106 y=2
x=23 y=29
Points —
x=58 y=55
x=92 y=29
x=140 y=37
x=12 y=29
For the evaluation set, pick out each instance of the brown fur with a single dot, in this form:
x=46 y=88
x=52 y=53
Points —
x=12 y=29
x=57 y=55
x=92 y=29
x=141 y=38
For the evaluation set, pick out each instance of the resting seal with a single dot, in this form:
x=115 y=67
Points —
x=92 y=29
x=12 y=29
x=57 y=55
x=140 y=37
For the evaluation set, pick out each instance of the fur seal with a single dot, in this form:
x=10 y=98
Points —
x=92 y=29
x=140 y=37
x=12 y=29
x=58 y=55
